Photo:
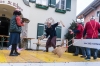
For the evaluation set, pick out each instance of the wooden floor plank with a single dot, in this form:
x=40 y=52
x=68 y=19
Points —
x=40 y=56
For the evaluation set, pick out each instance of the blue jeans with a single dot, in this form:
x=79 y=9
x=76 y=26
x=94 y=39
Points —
x=88 y=51
x=83 y=50
x=95 y=52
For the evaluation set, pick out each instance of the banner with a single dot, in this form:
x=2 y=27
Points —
x=90 y=43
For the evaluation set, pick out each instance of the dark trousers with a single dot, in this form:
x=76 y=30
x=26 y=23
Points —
x=82 y=49
x=14 y=48
x=51 y=42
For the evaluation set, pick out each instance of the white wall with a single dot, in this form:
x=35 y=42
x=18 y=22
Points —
x=36 y=15
x=39 y=16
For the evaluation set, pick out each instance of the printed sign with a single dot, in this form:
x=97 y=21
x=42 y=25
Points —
x=90 y=43
x=11 y=3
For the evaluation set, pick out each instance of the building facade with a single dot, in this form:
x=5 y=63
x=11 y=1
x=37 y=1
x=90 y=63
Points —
x=38 y=12
x=91 y=10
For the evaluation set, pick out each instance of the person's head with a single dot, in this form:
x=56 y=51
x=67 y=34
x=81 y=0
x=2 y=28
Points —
x=48 y=24
x=17 y=12
x=79 y=22
x=92 y=18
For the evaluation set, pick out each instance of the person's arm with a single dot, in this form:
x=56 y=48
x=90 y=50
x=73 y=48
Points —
x=76 y=31
x=79 y=28
x=85 y=29
x=18 y=20
x=84 y=32
x=98 y=27
x=56 y=24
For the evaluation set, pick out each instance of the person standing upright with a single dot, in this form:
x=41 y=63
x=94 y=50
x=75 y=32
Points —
x=15 y=30
x=92 y=28
x=79 y=35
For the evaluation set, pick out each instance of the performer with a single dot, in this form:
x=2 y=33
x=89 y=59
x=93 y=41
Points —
x=79 y=35
x=50 y=30
x=91 y=30
x=15 y=30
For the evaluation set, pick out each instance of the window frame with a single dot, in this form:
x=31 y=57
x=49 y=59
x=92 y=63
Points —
x=98 y=13
x=61 y=5
x=47 y=4
x=32 y=1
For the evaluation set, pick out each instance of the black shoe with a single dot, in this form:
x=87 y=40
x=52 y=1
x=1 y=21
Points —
x=87 y=58
x=75 y=54
x=83 y=56
x=45 y=51
x=13 y=54
x=94 y=58
x=17 y=53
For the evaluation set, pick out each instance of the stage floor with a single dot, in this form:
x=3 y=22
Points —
x=40 y=56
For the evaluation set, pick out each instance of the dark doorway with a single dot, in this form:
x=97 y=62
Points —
x=4 y=28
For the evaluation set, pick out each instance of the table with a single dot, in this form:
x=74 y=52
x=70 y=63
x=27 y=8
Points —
x=2 y=40
x=28 y=40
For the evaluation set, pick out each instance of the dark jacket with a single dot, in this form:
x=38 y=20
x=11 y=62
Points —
x=13 y=25
x=51 y=31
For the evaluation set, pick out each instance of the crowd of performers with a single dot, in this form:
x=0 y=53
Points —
x=90 y=31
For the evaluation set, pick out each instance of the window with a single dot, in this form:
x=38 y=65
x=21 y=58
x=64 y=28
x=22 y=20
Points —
x=98 y=13
x=27 y=0
x=58 y=31
x=32 y=1
x=61 y=4
x=52 y=3
x=41 y=30
x=42 y=2
x=68 y=5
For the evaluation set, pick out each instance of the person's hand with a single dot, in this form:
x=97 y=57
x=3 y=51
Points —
x=23 y=23
x=44 y=36
x=84 y=37
x=69 y=30
x=58 y=23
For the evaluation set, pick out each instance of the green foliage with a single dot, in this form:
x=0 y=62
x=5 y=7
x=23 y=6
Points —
x=73 y=27
x=69 y=36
